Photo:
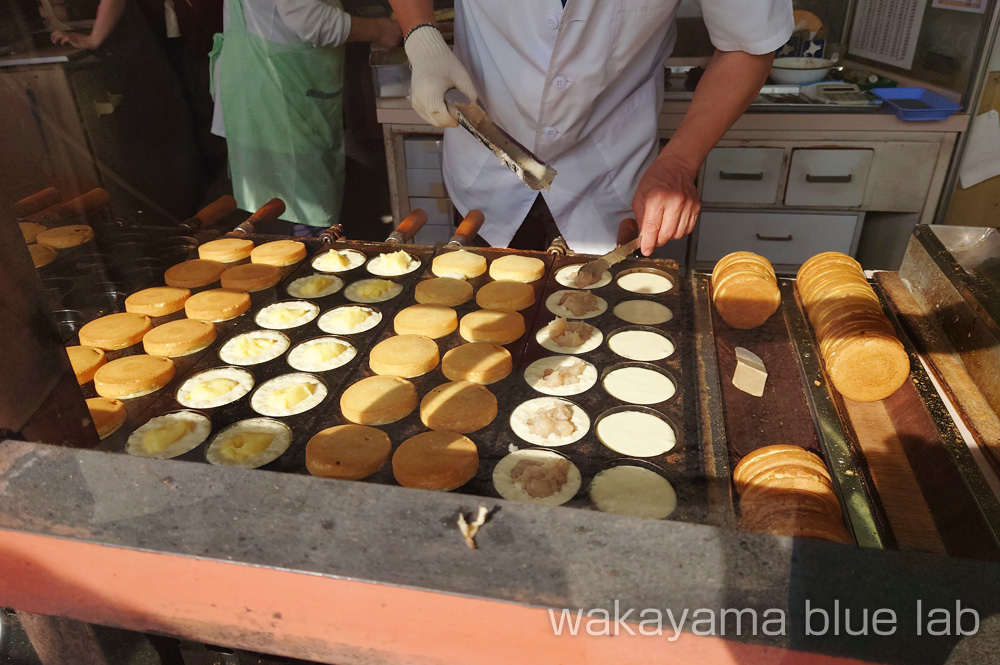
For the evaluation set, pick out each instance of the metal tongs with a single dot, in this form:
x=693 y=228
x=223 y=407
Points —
x=532 y=172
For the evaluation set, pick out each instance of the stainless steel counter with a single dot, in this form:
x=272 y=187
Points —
x=25 y=54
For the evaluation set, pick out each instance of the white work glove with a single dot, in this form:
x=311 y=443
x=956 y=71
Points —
x=436 y=70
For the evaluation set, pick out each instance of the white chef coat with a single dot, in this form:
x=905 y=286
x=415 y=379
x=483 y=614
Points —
x=582 y=88
x=287 y=22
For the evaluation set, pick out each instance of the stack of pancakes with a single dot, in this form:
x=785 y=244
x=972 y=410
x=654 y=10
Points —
x=745 y=290
x=863 y=356
x=787 y=491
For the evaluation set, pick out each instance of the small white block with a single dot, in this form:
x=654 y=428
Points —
x=750 y=375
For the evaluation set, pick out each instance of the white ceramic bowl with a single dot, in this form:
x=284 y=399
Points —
x=800 y=71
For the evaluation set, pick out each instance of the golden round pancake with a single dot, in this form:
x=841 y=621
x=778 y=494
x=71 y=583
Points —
x=857 y=326
x=30 y=230
x=85 y=360
x=133 y=376
x=487 y=325
x=840 y=288
x=193 y=274
x=839 y=305
x=42 y=255
x=217 y=305
x=108 y=415
x=825 y=258
x=404 y=355
x=279 y=253
x=869 y=369
x=64 y=237
x=790 y=479
x=157 y=301
x=179 y=338
x=115 y=331
x=378 y=400
x=506 y=296
x=755 y=513
x=518 y=268
x=446 y=291
x=769 y=457
x=806 y=525
x=434 y=321
x=348 y=452
x=435 y=461
x=723 y=264
x=747 y=303
x=462 y=264
x=226 y=250
x=737 y=272
x=837 y=275
x=250 y=277
x=478 y=362
x=458 y=406
x=758 y=264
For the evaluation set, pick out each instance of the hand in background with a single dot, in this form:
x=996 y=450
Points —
x=388 y=33
x=74 y=39
x=666 y=203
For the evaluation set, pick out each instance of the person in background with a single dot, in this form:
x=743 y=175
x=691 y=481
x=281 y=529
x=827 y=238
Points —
x=186 y=29
x=278 y=90
x=580 y=83
x=145 y=148
x=109 y=13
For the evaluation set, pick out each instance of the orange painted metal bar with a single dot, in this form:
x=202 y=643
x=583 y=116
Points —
x=321 y=618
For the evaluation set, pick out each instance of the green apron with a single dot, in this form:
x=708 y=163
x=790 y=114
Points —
x=282 y=106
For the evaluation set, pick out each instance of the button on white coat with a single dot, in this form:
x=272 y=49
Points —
x=551 y=132
x=552 y=21
x=560 y=82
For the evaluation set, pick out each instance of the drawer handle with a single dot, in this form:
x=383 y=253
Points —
x=787 y=238
x=723 y=175
x=839 y=179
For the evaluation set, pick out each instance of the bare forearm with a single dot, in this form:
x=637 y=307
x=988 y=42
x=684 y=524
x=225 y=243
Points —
x=411 y=13
x=109 y=12
x=362 y=30
x=731 y=82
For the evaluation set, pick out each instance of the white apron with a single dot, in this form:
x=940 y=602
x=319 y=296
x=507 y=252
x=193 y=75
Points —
x=582 y=88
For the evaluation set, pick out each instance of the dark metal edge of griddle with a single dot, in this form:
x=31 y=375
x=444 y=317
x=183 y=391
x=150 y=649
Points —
x=982 y=296
x=968 y=468
x=963 y=392
x=712 y=427
x=852 y=479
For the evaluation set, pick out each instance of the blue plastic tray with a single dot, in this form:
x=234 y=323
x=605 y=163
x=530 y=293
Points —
x=916 y=103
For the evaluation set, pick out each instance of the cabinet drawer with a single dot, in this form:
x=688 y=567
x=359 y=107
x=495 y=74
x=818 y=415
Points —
x=433 y=233
x=439 y=211
x=822 y=178
x=742 y=175
x=426 y=182
x=785 y=239
x=422 y=152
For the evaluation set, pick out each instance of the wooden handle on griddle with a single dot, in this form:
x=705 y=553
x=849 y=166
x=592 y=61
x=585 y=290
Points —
x=408 y=227
x=628 y=231
x=468 y=229
x=38 y=201
x=85 y=203
x=268 y=212
x=211 y=214
x=332 y=234
x=560 y=247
